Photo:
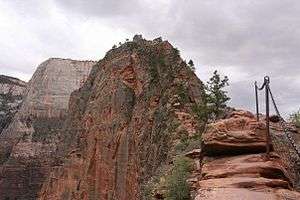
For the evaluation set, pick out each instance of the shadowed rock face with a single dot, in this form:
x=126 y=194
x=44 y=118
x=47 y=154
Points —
x=123 y=121
x=28 y=142
x=11 y=90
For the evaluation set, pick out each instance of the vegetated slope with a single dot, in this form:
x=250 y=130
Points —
x=128 y=121
x=28 y=143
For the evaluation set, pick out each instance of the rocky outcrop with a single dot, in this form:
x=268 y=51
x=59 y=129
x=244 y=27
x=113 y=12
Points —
x=28 y=143
x=11 y=90
x=125 y=122
x=237 y=134
x=234 y=165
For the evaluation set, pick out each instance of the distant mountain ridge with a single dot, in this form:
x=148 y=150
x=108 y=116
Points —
x=11 y=96
x=11 y=80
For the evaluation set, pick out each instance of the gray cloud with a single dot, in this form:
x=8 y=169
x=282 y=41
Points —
x=103 y=8
x=243 y=39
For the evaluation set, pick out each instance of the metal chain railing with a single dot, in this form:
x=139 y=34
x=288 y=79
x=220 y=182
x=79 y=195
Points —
x=283 y=125
x=283 y=144
x=265 y=86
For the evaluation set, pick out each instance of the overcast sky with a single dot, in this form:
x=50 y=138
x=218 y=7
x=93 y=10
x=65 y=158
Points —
x=244 y=39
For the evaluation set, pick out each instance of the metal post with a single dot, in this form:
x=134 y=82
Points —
x=256 y=99
x=267 y=80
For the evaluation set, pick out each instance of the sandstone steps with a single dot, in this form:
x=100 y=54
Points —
x=234 y=164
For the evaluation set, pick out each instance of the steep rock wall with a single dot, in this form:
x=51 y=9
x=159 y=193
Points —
x=11 y=95
x=125 y=122
x=28 y=143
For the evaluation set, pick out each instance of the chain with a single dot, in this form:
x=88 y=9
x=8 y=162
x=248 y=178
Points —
x=266 y=80
x=283 y=124
x=286 y=146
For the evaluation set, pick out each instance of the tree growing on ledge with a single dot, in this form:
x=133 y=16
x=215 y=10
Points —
x=216 y=96
x=215 y=99
x=191 y=65
x=295 y=118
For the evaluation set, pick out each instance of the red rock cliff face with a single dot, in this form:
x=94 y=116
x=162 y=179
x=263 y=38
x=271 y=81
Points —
x=234 y=164
x=28 y=142
x=124 y=122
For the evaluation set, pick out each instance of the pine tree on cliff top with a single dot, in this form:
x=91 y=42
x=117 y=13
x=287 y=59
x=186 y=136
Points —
x=214 y=100
x=216 y=96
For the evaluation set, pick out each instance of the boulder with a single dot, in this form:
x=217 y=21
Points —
x=240 y=133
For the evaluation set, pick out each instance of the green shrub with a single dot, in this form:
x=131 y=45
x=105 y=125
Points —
x=177 y=186
x=191 y=65
x=183 y=94
x=177 y=52
x=295 y=118
x=188 y=143
x=154 y=61
x=201 y=111
x=147 y=190
x=214 y=99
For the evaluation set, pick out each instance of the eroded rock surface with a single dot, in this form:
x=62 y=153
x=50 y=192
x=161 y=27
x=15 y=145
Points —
x=250 y=175
x=128 y=115
x=235 y=135
x=11 y=96
x=28 y=143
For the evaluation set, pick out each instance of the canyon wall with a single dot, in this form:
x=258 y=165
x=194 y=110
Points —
x=28 y=143
x=114 y=130
x=11 y=96
x=125 y=123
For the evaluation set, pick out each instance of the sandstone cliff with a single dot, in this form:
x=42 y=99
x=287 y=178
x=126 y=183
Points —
x=119 y=134
x=233 y=163
x=11 y=90
x=125 y=123
x=28 y=142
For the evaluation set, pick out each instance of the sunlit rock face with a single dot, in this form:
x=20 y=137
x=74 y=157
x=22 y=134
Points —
x=28 y=143
x=124 y=122
x=11 y=96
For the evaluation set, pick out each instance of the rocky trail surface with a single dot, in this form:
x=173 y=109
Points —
x=234 y=164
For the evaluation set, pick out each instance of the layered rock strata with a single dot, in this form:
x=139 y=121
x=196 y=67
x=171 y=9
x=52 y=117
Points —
x=129 y=116
x=235 y=166
x=28 y=143
x=11 y=96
